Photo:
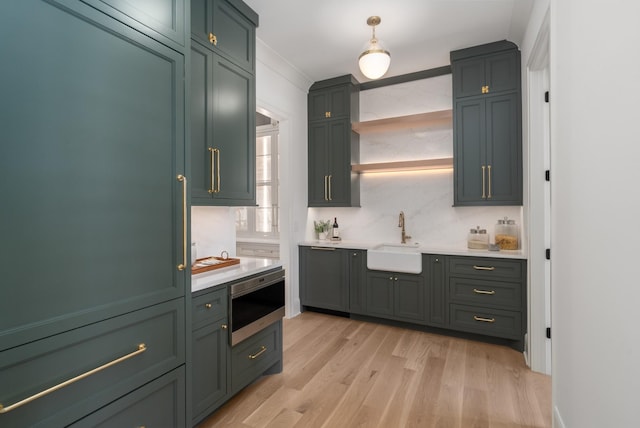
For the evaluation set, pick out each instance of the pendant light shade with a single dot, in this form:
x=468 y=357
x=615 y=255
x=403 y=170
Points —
x=374 y=61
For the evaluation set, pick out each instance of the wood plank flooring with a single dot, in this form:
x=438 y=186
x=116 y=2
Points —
x=344 y=373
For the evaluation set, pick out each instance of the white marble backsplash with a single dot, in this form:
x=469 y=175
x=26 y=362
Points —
x=426 y=197
x=213 y=230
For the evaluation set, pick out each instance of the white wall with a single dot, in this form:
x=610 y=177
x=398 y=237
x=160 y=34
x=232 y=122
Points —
x=595 y=210
x=426 y=197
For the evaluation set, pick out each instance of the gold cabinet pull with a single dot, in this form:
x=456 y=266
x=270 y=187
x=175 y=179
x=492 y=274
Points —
x=330 y=187
x=183 y=179
x=481 y=319
x=484 y=196
x=485 y=89
x=212 y=157
x=326 y=198
x=218 y=170
x=327 y=114
x=491 y=292
x=208 y=305
x=262 y=350
x=7 y=409
x=224 y=326
x=489 y=174
x=484 y=267
x=213 y=39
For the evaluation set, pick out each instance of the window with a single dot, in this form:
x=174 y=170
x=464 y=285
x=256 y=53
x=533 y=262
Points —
x=262 y=221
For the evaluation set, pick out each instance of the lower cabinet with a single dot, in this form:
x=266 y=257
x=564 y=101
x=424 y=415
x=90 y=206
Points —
x=210 y=356
x=434 y=267
x=156 y=404
x=397 y=296
x=324 y=278
x=357 y=281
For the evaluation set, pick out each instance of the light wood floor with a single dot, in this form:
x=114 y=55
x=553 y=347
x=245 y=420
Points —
x=344 y=373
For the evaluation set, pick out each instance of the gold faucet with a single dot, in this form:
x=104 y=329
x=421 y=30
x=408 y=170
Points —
x=401 y=224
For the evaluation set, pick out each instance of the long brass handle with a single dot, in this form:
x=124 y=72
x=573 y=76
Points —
x=183 y=179
x=481 y=319
x=475 y=290
x=330 y=177
x=323 y=248
x=262 y=350
x=326 y=198
x=484 y=196
x=213 y=39
x=212 y=154
x=218 y=170
x=489 y=174
x=484 y=267
x=140 y=350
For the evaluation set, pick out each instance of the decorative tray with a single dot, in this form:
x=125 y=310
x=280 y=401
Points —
x=210 y=263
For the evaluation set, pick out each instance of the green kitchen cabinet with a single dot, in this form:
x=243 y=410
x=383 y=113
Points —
x=435 y=290
x=210 y=352
x=487 y=125
x=357 y=281
x=223 y=104
x=324 y=277
x=94 y=215
x=228 y=27
x=332 y=145
x=397 y=296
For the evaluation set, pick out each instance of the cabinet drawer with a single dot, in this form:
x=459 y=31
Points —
x=209 y=307
x=491 y=293
x=157 y=404
x=44 y=364
x=249 y=359
x=491 y=322
x=482 y=267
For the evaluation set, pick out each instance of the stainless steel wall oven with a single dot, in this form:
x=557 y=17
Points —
x=256 y=303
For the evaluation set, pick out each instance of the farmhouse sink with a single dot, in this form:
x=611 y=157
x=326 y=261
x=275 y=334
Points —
x=395 y=258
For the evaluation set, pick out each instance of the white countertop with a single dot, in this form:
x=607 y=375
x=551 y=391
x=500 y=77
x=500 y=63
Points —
x=248 y=266
x=425 y=249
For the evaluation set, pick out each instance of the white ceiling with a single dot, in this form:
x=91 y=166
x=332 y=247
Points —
x=323 y=38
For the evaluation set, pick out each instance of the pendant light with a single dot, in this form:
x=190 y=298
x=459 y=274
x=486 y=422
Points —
x=374 y=61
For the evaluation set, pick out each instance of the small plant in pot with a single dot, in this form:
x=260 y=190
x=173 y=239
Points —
x=322 y=228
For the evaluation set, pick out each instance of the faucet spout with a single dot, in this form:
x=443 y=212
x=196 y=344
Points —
x=404 y=236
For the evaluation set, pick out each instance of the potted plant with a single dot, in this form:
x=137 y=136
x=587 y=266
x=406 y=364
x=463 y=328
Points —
x=322 y=228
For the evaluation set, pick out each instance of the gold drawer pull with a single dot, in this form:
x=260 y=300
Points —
x=475 y=290
x=140 y=350
x=484 y=267
x=224 y=326
x=214 y=40
x=262 y=350
x=477 y=318
x=208 y=305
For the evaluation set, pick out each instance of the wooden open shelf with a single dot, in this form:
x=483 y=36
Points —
x=434 y=119
x=414 y=165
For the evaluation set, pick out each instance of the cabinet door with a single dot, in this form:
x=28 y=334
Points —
x=357 y=281
x=331 y=103
x=470 y=179
x=380 y=294
x=209 y=384
x=234 y=133
x=202 y=161
x=235 y=35
x=92 y=211
x=318 y=164
x=408 y=298
x=468 y=77
x=504 y=150
x=339 y=187
x=324 y=276
x=202 y=21
x=435 y=290
x=502 y=71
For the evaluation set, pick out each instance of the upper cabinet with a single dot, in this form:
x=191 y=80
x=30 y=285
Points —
x=487 y=125
x=333 y=146
x=227 y=27
x=223 y=104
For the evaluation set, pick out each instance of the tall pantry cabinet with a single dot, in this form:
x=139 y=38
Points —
x=94 y=220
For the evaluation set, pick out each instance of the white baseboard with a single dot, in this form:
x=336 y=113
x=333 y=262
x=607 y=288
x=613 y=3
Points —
x=557 y=419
